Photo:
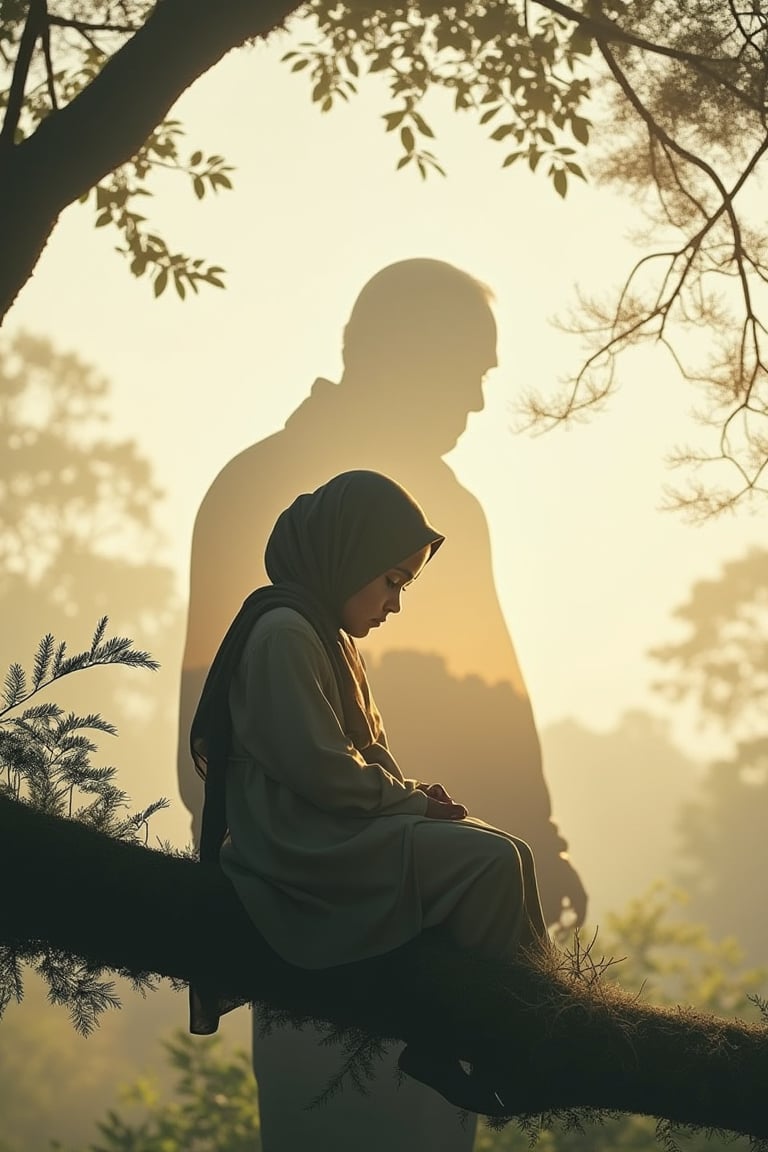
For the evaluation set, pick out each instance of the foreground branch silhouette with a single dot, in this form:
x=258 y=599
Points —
x=564 y=1043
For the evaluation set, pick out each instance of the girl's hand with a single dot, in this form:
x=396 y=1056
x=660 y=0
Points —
x=440 y=806
x=437 y=792
x=444 y=809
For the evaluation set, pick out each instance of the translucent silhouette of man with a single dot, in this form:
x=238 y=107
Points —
x=418 y=343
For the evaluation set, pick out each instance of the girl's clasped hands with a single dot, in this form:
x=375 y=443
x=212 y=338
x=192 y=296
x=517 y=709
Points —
x=440 y=806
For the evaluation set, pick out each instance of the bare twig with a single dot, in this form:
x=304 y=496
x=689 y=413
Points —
x=46 y=42
x=33 y=28
x=90 y=26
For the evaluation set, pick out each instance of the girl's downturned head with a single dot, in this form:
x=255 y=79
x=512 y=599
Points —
x=335 y=540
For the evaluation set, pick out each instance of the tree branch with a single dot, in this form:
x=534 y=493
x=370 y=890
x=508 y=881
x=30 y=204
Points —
x=607 y=30
x=89 y=26
x=561 y=1041
x=33 y=28
x=45 y=37
x=101 y=129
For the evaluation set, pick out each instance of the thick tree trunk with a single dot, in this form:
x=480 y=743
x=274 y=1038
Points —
x=560 y=1042
x=108 y=122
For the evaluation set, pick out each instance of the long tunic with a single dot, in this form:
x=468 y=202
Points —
x=325 y=854
x=320 y=847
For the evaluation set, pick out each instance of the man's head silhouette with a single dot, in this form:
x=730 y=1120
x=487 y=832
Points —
x=419 y=340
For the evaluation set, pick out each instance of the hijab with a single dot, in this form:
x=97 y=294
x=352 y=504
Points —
x=323 y=549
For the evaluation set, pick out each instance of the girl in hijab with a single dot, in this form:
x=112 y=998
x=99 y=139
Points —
x=334 y=853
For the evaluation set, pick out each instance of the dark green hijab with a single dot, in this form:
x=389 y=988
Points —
x=323 y=549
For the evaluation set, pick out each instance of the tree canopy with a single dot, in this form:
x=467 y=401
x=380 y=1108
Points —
x=668 y=99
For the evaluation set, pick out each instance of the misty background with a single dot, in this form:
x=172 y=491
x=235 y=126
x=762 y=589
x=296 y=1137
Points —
x=117 y=412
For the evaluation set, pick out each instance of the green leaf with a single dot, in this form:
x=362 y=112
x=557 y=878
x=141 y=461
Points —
x=407 y=138
x=219 y=180
x=560 y=180
x=502 y=131
x=393 y=119
x=161 y=281
x=422 y=125
x=580 y=129
x=404 y=160
x=195 y=159
x=581 y=42
x=199 y=187
x=299 y=65
x=179 y=286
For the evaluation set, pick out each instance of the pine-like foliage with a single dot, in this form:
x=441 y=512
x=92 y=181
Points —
x=45 y=762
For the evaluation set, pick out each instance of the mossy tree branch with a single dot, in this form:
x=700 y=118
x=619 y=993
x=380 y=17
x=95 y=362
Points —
x=563 y=1043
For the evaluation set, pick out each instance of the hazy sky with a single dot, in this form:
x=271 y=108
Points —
x=588 y=569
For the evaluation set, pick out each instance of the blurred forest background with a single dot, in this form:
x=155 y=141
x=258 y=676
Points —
x=643 y=640
x=672 y=849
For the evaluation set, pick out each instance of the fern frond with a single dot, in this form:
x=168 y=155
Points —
x=118 y=650
x=78 y=987
x=37 y=733
x=96 y=778
x=43 y=658
x=74 y=743
x=98 y=635
x=15 y=687
x=58 y=660
x=72 y=723
x=49 y=711
x=11 y=982
x=156 y=806
x=74 y=663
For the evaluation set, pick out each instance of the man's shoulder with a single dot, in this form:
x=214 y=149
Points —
x=254 y=458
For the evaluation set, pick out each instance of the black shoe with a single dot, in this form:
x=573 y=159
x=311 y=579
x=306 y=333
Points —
x=472 y=1091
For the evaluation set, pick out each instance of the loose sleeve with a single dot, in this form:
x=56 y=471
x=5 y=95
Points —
x=296 y=735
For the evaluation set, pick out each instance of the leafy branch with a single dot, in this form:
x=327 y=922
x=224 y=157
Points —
x=114 y=198
x=64 y=71
x=51 y=663
x=491 y=61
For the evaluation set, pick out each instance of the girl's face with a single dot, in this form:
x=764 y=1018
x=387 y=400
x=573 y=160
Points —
x=370 y=607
